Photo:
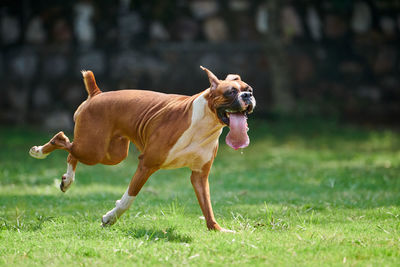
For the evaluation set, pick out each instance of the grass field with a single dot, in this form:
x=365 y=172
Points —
x=305 y=193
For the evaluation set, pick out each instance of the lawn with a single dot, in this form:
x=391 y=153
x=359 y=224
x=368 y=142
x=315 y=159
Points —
x=304 y=193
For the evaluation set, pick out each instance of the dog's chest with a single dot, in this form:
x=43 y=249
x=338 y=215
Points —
x=197 y=144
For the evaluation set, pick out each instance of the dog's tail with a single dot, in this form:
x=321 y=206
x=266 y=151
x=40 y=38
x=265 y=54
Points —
x=90 y=83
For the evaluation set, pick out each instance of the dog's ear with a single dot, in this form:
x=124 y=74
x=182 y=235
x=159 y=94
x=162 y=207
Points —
x=233 y=77
x=213 y=79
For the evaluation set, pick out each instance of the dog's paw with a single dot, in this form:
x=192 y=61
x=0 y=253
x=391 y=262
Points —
x=223 y=230
x=65 y=183
x=108 y=219
x=36 y=152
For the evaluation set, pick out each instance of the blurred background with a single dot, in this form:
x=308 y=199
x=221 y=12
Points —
x=327 y=58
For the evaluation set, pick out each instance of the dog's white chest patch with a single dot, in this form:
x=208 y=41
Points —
x=196 y=145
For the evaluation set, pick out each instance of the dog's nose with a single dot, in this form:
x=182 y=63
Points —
x=246 y=95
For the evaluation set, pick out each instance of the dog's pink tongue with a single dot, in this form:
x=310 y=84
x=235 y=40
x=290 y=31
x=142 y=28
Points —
x=237 y=136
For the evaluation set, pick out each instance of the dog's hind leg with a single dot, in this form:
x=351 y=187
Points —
x=59 y=141
x=118 y=149
x=69 y=177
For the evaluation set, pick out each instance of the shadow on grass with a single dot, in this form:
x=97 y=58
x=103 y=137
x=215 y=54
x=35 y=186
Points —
x=168 y=235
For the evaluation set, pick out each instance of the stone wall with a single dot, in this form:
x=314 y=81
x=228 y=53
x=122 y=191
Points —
x=324 y=57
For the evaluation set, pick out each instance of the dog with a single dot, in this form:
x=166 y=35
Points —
x=170 y=131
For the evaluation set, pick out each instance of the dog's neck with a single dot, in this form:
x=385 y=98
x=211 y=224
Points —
x=196 y=146
x=202 y=112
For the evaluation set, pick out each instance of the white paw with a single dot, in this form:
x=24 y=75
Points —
x=109 y=218
x=36 y=152
x=223 y=230
x=121 y=206
x=66 y=182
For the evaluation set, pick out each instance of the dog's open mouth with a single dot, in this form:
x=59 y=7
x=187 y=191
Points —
x=237 y=122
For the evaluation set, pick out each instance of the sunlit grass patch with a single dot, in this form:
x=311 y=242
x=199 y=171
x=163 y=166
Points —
x=304 y=193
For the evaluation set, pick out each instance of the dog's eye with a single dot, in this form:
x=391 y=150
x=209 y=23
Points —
x=230 y=92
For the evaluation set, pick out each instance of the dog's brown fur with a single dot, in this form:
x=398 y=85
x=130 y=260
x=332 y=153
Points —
x=107 y=122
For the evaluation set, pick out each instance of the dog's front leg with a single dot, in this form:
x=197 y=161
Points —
x=139 y=179
x=202 y=189
x=121 y=206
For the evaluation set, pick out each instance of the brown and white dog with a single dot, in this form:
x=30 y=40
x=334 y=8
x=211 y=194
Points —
x=170 y=131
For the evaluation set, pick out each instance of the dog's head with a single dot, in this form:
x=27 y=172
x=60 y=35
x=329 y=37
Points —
x=232 y=100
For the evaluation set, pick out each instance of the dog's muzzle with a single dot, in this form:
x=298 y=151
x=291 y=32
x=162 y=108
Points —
x=236 y=118
x=244 y=103
x=248 y=100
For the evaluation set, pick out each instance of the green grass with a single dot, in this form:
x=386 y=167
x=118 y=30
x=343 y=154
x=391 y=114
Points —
x=306 y=193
